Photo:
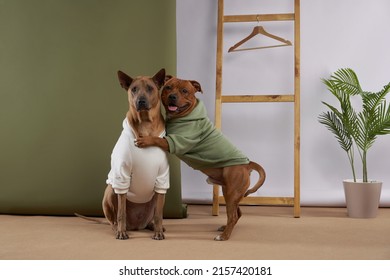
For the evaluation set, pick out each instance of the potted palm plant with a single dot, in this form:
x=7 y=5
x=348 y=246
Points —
x=357 y=130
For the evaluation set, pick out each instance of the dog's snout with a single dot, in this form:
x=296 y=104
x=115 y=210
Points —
x=142 y=103
x=172 y=97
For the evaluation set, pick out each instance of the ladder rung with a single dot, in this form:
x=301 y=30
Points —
x=265 y=17
x=257 y=98
x=258 y=200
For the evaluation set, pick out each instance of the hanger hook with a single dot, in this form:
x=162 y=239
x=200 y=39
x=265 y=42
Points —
x=258 y=20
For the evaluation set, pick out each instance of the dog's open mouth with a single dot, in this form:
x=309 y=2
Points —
x=174 y=108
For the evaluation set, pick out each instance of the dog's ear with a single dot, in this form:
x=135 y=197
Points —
x=167 y=78
x=197 y=86
x=124 y=80
x=159 y=78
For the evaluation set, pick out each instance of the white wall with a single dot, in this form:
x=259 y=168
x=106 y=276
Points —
x=334 y=34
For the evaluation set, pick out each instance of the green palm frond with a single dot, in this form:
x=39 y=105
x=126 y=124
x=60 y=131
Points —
x=380 y=121
x=347 y=116
x=372 y=100
x=374 y=119
x=361 y=137
x=346 y=80
x=334 y=110
x=332 y=88
x=335 y=125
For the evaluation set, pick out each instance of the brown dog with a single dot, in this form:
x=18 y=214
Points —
x=194 y=139
x=139 y=178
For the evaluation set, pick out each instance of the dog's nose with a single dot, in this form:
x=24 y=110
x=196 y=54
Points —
x=172 y=97
x=142 y=104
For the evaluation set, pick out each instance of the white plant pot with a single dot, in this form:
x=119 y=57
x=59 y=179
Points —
x=362 y=199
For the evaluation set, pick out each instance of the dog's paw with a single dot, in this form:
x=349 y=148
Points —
x=143 y=141
x=121 y=235
x=158 y=235
x=220 y=238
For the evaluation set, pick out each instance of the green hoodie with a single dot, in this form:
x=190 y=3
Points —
x=195 y=140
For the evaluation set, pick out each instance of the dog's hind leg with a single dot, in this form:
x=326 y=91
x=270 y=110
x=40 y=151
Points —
x=239 y=214
x=236 y=180
x=232 y=218
x=110 y=207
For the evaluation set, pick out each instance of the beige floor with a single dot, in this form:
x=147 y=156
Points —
x=262 y=233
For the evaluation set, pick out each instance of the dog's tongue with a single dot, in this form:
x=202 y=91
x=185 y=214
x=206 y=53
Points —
x=172 y=108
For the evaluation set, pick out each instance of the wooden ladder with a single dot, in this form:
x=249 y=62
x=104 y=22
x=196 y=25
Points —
x=295 y=98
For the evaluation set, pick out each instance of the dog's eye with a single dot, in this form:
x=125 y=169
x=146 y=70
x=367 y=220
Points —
x=149 y=88
x=184 y=90
x=134 y=89
x=169 y=88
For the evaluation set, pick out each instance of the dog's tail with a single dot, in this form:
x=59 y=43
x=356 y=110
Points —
x=260 y=182
x=92 y=219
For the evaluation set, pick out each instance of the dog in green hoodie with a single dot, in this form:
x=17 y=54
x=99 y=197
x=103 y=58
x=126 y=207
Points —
x=193 y=138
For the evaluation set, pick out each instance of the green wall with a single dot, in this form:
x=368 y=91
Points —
x=61 y=105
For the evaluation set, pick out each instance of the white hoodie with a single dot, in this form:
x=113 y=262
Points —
x=135 y=171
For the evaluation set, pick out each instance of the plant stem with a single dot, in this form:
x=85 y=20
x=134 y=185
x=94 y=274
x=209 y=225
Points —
x=351 y=161
x=364 y=159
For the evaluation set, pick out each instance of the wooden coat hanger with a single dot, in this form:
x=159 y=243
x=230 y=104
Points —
x=256 y=31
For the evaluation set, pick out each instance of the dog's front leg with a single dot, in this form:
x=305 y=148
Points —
x=158 y=217
x=121 y=217
x=147 y=141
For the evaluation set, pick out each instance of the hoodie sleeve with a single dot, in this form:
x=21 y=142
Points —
x=162 y=181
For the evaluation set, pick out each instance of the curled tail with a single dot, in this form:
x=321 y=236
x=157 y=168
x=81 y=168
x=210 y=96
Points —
x=260 y=182
x=99 y=221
